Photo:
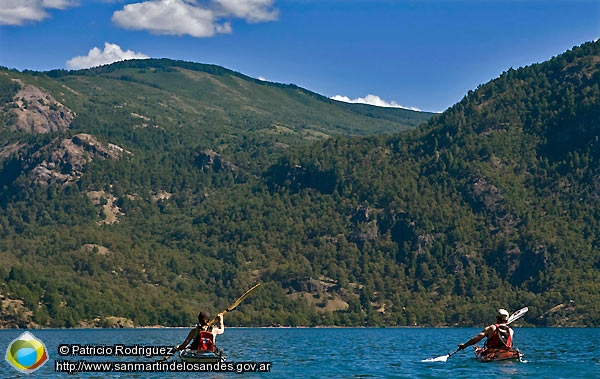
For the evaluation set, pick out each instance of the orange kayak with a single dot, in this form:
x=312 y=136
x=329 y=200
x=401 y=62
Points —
x=492 y=355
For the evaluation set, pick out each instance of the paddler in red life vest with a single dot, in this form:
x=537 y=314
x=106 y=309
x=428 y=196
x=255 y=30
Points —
x=203 y=336
x=499 y=335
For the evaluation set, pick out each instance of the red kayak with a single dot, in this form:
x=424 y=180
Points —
x=492 y=355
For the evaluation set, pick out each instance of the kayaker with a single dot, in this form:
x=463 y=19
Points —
x=499 y=335
x=203 y=335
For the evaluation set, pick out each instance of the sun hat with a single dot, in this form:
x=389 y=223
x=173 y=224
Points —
x=502 y=314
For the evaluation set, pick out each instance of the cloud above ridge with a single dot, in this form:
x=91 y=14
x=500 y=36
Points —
x=96 y=57
x=189 y=17
x=20 y=12
x=372 y=100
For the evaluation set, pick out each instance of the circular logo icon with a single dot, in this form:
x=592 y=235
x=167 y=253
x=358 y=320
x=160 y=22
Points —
x=26 y=353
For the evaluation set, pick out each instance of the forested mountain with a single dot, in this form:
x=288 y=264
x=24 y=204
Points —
x=148 y=190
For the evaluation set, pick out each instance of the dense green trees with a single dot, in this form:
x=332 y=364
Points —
x=490 y=204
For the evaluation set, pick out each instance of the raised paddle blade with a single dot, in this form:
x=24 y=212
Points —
x=517 y=315
x=245 y=295
x=237 y=302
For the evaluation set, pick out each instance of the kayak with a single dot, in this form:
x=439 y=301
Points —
x=201 y=356
x=492 y=355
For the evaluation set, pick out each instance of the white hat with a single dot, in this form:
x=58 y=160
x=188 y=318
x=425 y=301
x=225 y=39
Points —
x=502 y=314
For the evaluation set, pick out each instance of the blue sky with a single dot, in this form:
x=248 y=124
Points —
x=416 y=54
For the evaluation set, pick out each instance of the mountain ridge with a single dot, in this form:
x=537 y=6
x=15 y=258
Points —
x=491 y=204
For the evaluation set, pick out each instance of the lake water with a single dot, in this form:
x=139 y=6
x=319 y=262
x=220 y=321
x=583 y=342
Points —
x=336 y=352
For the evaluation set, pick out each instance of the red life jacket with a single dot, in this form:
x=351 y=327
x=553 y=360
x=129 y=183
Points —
x=204 y=341
x=502 y=337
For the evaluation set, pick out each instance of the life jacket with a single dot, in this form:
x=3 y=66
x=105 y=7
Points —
x=204 y=341
x=502 y=337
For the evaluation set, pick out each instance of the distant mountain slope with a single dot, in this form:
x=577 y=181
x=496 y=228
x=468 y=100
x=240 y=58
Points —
x=212 y=96
x=185 y=201
x=152 y=104
x=493 y=202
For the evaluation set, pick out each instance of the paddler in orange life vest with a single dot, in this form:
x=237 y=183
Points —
x=499 y=335
x=203 y=336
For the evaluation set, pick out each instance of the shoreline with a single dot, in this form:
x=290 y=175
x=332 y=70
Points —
x=304 y=327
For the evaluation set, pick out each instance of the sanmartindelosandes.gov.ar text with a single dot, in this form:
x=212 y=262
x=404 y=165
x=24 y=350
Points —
x=75 y=366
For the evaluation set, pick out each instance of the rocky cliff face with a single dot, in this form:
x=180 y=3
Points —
x=62 y=160
x=67 y=158
x=38 y=112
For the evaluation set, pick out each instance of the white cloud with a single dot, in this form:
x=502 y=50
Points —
x=169 y=17
x=19 y=12
x=96 y=57
x=372 y=100
x=180 y=17
x=59 y=4
x=250 y=10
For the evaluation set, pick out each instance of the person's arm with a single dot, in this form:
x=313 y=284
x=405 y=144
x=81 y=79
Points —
x=221 y=327
x=187 y=340
x=487 y=332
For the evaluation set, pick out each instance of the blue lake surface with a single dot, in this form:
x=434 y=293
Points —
x=336 y=352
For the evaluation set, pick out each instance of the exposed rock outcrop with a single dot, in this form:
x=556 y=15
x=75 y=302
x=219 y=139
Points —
x=62 y=161
x=14 y=314
x=108 y=202
x=38 y=112
x=208 y=158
